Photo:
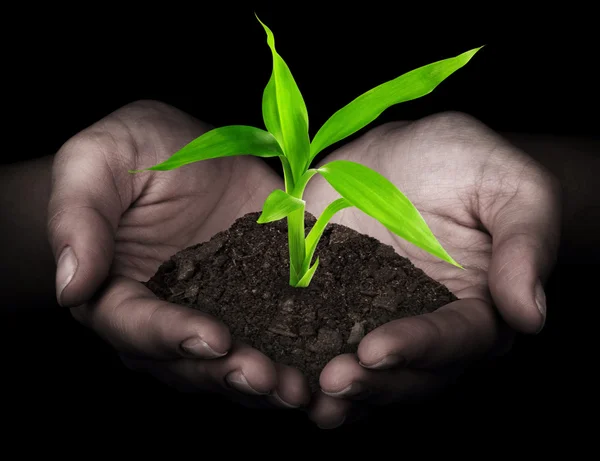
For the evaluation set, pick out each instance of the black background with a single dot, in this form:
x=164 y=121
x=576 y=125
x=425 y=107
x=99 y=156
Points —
x=65 y=69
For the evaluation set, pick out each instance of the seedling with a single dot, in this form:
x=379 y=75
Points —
x=286 y=136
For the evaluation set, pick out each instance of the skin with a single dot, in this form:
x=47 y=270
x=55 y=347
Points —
x=494 y=209
x=122 y=226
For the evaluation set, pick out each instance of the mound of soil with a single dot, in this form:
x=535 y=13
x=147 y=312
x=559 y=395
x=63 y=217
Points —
x=241 y=276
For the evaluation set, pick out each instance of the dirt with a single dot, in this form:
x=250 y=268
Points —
x=241 y=276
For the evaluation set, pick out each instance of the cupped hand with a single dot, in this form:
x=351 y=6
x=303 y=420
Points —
x=110 y=230
x=494 y=209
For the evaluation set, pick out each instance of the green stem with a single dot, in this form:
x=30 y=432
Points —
x=302 y=182
x=287 y=174
x=296 y=244
x=295 y=222
x=296 y=226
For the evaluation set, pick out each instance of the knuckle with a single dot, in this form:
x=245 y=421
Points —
x=454 y=130
x=143 y=106
x=88 y=142
x=113 y=316
x=386 y=130
x=56 y=221
x=155 y=323
x=117 y=324
x=452 y=122
x=154 y=114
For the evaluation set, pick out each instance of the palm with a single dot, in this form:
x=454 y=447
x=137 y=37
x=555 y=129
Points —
x=460 y=177
x=443 y=186
x=168 y=211
x=469 y=185
x=185 y=207
x=127 y=225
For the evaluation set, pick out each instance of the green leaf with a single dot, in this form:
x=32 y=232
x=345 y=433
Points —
x=376 y=196
x=284 y=112
x=222 y=142
x=278 y=205
x=302 y=182
x=313 y=237
x=308 y=275
x=367 y=107
x=294 y=274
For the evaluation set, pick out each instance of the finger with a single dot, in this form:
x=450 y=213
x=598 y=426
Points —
x=459 y=332
x=292 y=389
x=86 y=202
x=328 y=412
x=130 y=317
x=344 y=378
x=244 y=370
x=525 y=233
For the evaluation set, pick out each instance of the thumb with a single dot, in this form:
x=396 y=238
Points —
x=83 y=214
x=525 y=232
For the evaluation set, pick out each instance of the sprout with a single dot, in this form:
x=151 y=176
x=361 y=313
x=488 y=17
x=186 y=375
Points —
x=286 y=136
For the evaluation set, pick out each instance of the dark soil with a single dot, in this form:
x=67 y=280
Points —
x=241 y=277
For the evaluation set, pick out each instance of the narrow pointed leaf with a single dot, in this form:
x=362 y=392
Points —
x=222 y=142
x=284 y=111
x=294 y=277
x=302 y=182
x=376 y=196
x=308 y=275
x=278 y=205
x=315 y=234
x=367 y=107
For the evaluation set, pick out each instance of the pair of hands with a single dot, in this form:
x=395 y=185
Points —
x=492 y=207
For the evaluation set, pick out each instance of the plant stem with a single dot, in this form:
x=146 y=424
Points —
x=302 y=182
x=287 y=174
x=296 y=244
x=295 y=222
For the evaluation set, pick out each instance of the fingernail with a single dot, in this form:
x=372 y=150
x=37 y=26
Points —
x=196 y=348
x=540 y=301
x=275 y=396
x=238 y=381
x=66 y=268
x=386 y=362
x=355 y=389
x=332 y=426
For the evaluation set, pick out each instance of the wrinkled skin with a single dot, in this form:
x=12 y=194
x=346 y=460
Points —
x=468 y=183
x=125 y=226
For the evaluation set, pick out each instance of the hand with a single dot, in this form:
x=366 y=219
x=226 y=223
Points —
x=115 y=228
x=496 y=212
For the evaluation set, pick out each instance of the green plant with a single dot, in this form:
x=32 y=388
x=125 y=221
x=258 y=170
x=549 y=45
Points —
x=286 y=120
